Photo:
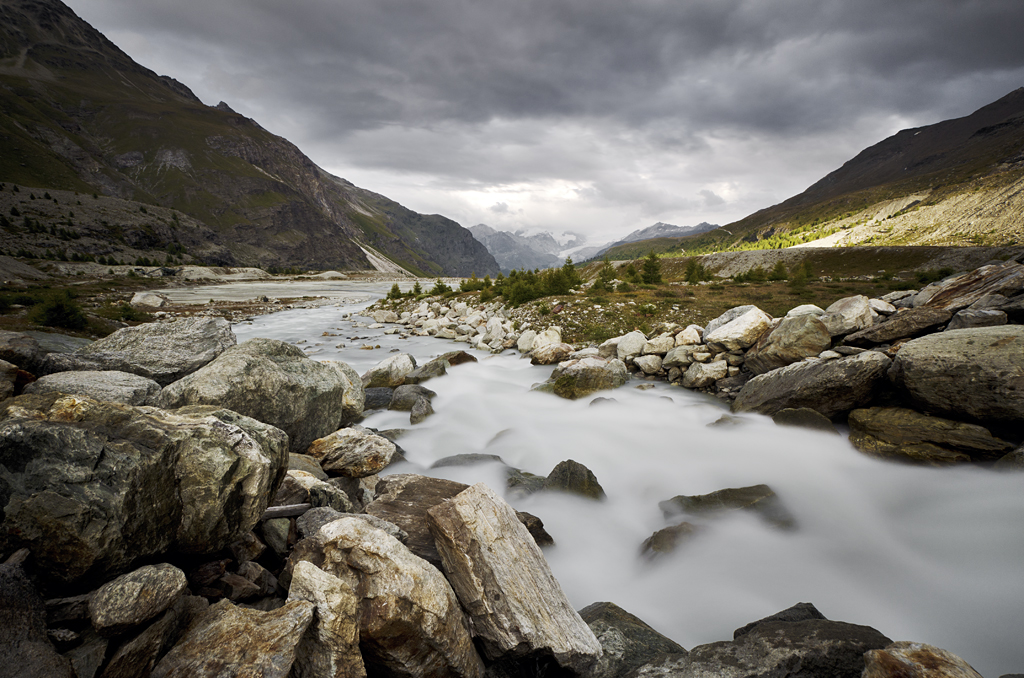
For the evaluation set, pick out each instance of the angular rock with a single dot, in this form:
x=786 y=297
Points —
x=909 y=322
x=109 y=484
x=702 y=375
x=630 y=345
x=975 y=374
x=550 y=354
x=796 y=338
x=691 y=335
x=1013 y=461
x=134 y=598
x=881 y=307
x=427 y=371
x=501 y=578
x=406 y=395
x=25 y=649
x=897 y=432
x=354 y=399
x=759 y=499
x=384 y=316
x=915 y=660
x=977 y=318
x=20 y=349
x=578 y=378
x=680 y=356
x=304 y=462
x=352 y=453
x=848 y=315
x=140 y=654
x=962 y=290
x=574 y=478
x=421 y=409
x=525 y=342
x=660 y=345
x=115 y=387
x=805 y=309
x=648 y=364
x=797 y=613
x=552 y=335
x=390 y=372
x=378 y=398
x=829 y=387
x=804 y=417
x=211 y=647
x=740 y=332
x=668 y=539
x=726 y=318
x=410 y=622
x=163 y=352
x=270 y=381
x=626 y=641
x=330 y=647
x=149 y=300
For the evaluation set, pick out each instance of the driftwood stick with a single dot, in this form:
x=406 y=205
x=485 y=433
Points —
x=285 y=511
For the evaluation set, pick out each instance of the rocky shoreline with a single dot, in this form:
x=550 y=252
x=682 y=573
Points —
x=176 y=503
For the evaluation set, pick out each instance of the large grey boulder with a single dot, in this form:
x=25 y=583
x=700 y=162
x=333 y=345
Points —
x=389 y=372
x=136 y=597
x=115 y=387
x=330 y=647
x=627 y=642
x=355 y=395
x=91 y=487
x=968 y=318
x=848 y=315
x=574 y=379
x=273 y=382
x=974 y=373
x=163 y=352
x=900 y=433
x=796 y=338
x=138 y=655
x=828 y=386
x=740 y=332
x=21 y=350
x=910 y=322
x=550 y=354
x=630 y=345
x=515 y=604
x=726 y=318
x=962 y=290
x=231 y=641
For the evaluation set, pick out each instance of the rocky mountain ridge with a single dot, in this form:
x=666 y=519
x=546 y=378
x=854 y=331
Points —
x=80 y=115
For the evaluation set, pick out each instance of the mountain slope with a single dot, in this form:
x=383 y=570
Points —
x=516 y=251
x=78 y=114
x=956 y=182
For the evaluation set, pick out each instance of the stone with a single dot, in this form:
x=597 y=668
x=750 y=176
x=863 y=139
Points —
x=163 y=352
x=805 y=309
x=352 y=453
x=740 y=332
x=552 y=335
x=25 y=648
x=1013 y=461
x=21 y=349
x=848 y=315
x=410 y=621
x=378 y=398
x=330 y=647
x=759 y=499
x=648 y=364
x=421 y=409
x=384 y=316
x=797 y=613
x=134 y=598
x=525 y=342
x=8 y=379
x=304 y=462
x=796 y=338
x=726 y=318
x=115 y=387
x=630 y=345
x=573 y=477
x=702 y=375
x=680 y=356
x=137 y=656
x=915 y=660
x=261 y=577
x=406 y=395
x=550 y=354
x=962 y=290
x=111 y=484
x=668 y=539
x=660 y=345
x=211 y=647
x=390 y=372
x=909 y=322
x=517 y=608
x=975 y=374
x=830 y=387
x=804 y=417
x=270 y=381
x=149 y=300
x=897 y=432
x=579 y=378
x=354 y=398
x=691 y=335
x=627 y=642
x=881 y=306
x=967 y=318
x=434 y=368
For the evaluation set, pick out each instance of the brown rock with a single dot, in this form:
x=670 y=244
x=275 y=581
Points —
x=915 y=660
x=911 y=322
x=903 y=433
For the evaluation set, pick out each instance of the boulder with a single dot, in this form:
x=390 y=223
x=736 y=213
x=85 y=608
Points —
x=848 y=315
x=668 y=539
x=378 y=398
x=575 y=379
x=330 y=647
x=438 y=367
x=574 y=478
x=829 y=387
x=680 y=356
x=975 y=374
x=163 y=352
x=797 y=613
x=516 y=607
x=231 y=641
x=115 y=387
x=897 y=432
x=352 y=452
x=909 y=322
x=405 y=396
x=389 y=372
x=25 y=648
x=550 y=354
x=726 y=318
x=8 y=379
x=702 y=375
x=149 y=300
x=660 y=345
x=111 y=484
x=691 y=335
x=881 y=306
x=552 y=335
x=741 y=332
x=410 y=621
x=648 y=364
x=962 y=290
x=915 y=660
x=759 y=499
x=525 y=342
x=21 y=350
x=354 y=399
x=626 y=641
x=384 y=316
x=796 y=337
x=967 y=318
x=137 y=656
x=630 y=345
x=805 y=309
x=421 y=409
x=1012 y=461
x=804 y=417
x=273 y=382
x=134 y=598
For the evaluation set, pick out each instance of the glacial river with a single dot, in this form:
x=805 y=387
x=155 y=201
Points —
x=934 y=556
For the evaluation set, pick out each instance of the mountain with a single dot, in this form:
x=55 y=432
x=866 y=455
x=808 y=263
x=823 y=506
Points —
x=519 y=251
x=956 y=182
x=78 y=114
x=650 y=238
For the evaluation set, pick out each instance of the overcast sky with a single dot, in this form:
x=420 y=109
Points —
x=597 y=116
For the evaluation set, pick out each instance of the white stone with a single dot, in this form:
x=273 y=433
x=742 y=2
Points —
x=699 y=375
x=630 y=345
x=742 y=331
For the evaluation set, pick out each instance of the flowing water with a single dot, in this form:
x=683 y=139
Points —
x=929 y=555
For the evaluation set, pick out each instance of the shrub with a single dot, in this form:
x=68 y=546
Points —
x=439 y=288
x=651 y=270
x=59 y=310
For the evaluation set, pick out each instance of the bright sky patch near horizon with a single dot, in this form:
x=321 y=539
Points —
x=592 y=116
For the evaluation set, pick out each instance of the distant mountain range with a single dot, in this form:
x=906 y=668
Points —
x=520 y=251
x=77 y=114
